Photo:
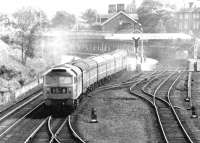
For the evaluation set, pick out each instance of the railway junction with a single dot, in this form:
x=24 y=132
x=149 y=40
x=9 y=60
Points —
x=160 y=104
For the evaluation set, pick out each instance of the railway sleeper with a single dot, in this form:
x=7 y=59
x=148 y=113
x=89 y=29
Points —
x=170 y=123
x=178 y=140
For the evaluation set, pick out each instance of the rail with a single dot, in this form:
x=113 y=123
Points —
x=29 y=139
x=53 y=136
x=174 y=111
x=19 y=120
x=73 y=131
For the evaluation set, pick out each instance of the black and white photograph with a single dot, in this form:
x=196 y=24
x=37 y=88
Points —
x=99 y=71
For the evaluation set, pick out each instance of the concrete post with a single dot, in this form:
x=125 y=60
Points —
x=93 y=116
x=194 y=115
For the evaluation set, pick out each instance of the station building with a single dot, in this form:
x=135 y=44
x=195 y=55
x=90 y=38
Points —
x=120 y=19
x=121 y=22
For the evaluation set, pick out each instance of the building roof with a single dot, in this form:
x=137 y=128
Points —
x=133 y=15
x=121 y=12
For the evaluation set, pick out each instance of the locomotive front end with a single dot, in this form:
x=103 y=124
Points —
x=59 y=87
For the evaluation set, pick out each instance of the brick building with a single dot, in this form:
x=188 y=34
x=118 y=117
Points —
x=121 y=23
x=120 y=19
x=188 y=19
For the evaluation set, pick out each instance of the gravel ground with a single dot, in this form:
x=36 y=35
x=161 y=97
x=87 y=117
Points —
x=196 y=103
x=192 y=124
x=121 y=118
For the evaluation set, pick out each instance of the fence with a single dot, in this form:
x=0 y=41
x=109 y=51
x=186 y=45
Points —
x=24 y=91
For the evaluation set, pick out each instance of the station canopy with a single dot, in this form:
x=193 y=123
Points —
x=149 y=36
x=118 y=36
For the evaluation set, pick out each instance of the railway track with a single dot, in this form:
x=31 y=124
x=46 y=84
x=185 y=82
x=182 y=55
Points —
x=17 y=131
x=23 y=103
x=17 y=124
x=172 y=128
x=39 y=126
x=136 y=89
x=55 y=130
x=129 y=82
x=32 y=127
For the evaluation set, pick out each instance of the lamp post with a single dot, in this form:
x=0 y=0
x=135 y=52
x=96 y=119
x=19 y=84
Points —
x=136 y=40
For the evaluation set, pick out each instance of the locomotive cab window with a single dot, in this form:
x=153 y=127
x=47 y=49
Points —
x=58 y=77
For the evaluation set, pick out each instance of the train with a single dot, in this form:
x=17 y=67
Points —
x=65 y=84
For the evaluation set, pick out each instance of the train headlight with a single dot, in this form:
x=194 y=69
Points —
x=47 y=90
x=69 y=90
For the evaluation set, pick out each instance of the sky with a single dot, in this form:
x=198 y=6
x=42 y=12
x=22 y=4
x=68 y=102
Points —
x=72 y=6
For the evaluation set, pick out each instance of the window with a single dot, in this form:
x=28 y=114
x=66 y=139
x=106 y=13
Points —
x=186 y=16
x=197 y=15
x=65 y=80
x=194 y=25
x=181 y=16
x=186 y=25
x=194 y=15
x=52 y=80
x=180 y=26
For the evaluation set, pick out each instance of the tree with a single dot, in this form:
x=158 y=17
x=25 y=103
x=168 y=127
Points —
x=160 y=28
x=148 y=16
x=89 y=16
x=63 y=19
x=28 y=21
x=152 y=12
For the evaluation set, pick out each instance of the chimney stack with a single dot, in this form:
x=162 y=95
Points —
x=120 y=7
x=112 y=8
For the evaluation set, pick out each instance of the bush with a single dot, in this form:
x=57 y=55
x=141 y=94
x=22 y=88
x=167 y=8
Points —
x=3 y=69
x=21 y=81
x=6 y=39
x=7 y=73
x=32 y=73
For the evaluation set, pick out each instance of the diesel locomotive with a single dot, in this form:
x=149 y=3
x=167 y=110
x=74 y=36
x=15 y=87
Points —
x=65 y=84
